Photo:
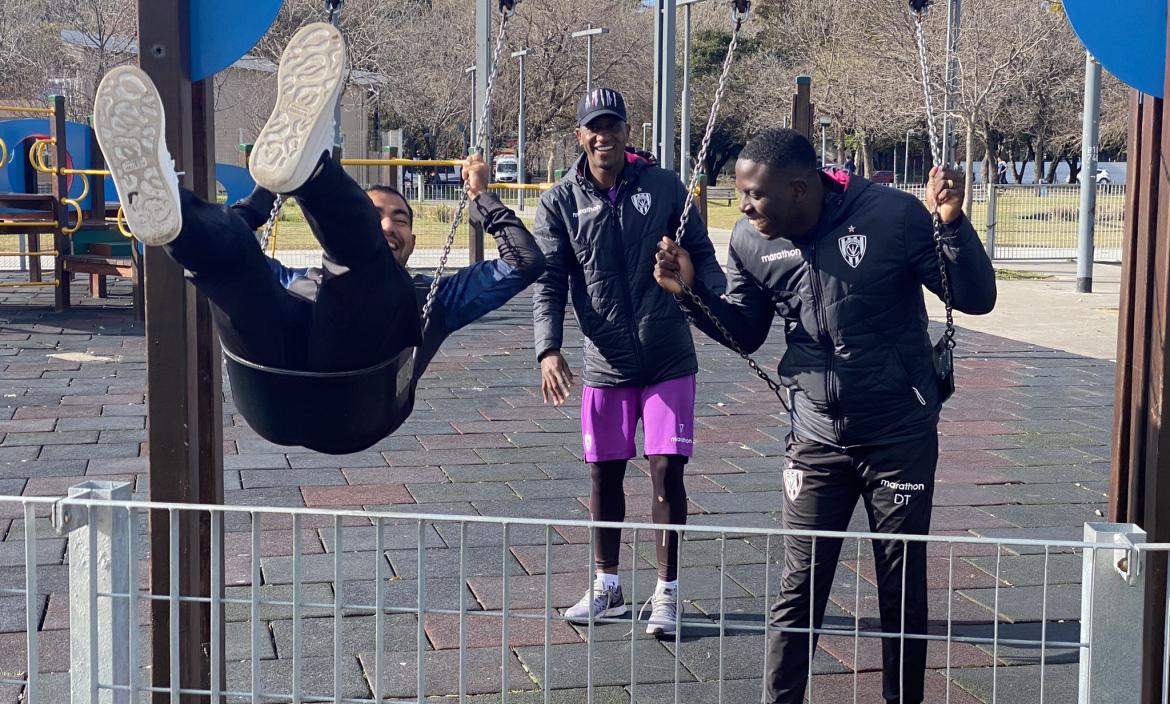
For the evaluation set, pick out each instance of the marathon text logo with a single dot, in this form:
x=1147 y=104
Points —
x=782 y=254
x=901 y=499
x=588 y=211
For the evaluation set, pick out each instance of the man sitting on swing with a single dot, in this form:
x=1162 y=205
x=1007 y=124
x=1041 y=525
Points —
x=360 y=308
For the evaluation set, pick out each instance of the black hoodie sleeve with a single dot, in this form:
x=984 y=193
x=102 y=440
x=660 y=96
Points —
x=513 y=240
x=969 y=270
x=551 y=290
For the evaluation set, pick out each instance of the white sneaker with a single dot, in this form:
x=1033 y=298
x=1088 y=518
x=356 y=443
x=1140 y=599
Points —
x=130 y=126
x=300 y=129
x=664 y=614
x=606 y=602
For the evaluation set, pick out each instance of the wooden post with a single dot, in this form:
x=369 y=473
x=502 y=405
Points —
x=1140 y=488
x=61 y=241
x=184 y=412
x=802 y=114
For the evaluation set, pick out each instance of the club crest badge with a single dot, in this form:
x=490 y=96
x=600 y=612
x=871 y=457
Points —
x=641 y=201
x=793 y=480
x=852 y=249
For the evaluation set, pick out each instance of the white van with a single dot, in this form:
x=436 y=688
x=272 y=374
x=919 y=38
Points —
x=507 y=169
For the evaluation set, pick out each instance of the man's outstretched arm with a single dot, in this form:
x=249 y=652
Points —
x=484 y=287
x=745 y=311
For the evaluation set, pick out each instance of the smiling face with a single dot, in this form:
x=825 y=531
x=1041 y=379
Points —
x=775 y=201
x=604 y=139
x=397 y=223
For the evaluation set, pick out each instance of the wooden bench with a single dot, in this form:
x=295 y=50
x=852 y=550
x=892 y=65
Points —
x=722 y=193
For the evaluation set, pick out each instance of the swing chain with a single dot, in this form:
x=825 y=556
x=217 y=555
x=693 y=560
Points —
x=698 y=303
x=739 y=13
x=918 y=9
x=482 y=148
x=949 y=332
x=924 y=66
x=701 y=158
x=271 y=223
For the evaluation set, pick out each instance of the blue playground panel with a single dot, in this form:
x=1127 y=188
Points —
x=212 y=48
x=1128 y=38
x=13 y=132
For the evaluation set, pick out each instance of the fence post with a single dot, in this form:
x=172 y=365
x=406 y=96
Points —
x=992 y=198
x=1112 y=604
x=112 y=616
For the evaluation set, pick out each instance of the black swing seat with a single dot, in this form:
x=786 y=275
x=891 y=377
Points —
x=332 y=412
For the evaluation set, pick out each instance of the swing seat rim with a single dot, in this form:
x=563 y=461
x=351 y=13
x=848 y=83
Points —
x=396 y=359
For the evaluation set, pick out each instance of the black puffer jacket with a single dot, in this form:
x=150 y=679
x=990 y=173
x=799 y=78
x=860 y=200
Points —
x=603 y=254
x=858 y=366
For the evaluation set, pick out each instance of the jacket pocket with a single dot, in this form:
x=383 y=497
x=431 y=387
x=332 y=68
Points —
x=907 y=378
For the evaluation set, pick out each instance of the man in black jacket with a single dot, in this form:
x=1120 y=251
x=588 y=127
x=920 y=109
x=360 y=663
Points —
x=599 y=228
x=843 y=263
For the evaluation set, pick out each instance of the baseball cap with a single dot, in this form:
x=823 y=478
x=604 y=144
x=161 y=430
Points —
x=601 y=101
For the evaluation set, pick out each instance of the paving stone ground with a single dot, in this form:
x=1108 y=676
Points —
x=1025 y=448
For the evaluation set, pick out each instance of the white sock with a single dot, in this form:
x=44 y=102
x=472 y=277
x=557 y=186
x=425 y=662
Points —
x=672 y=585
x=609 y=581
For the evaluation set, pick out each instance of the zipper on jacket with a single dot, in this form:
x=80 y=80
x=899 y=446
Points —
x=627 y=296
x=826 y=339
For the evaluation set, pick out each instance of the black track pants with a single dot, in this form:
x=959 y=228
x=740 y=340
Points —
x=822 y=486
x=365 y=310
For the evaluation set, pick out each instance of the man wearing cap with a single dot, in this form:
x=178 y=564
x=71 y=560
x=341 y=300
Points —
x=599 y=228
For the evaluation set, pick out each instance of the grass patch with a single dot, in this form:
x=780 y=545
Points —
x=1015 y=275
x=1024 y=218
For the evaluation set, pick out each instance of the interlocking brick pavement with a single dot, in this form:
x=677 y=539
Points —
x=1024 y=454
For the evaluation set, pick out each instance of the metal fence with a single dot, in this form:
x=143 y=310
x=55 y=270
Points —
x=358 y=606
x=1039 y=221
x=13 y=242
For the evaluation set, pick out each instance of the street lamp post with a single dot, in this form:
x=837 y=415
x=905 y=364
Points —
x=589 y=34
x=906 y=160
x=521 y=177
x=684 y=161
x=471 y=130
x=824 y=122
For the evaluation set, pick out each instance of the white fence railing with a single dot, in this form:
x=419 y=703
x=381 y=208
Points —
x=352 y=606
x=1040 y=221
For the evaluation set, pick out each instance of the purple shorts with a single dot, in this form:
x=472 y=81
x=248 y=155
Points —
x=609 y=420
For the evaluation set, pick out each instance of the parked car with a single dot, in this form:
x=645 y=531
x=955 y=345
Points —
x=506 y=169
x=882 y=177
x=445 y=175
x=1101 y=177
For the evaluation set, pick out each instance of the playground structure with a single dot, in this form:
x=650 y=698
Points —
x=87 y=234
